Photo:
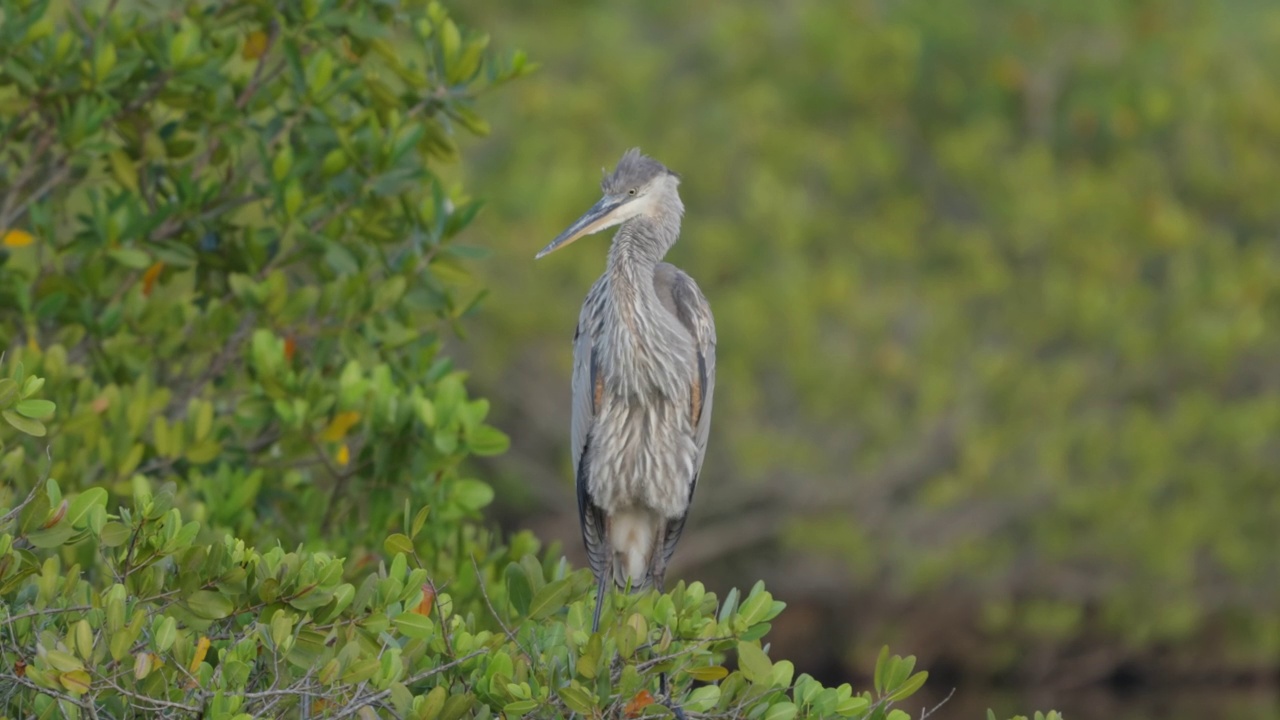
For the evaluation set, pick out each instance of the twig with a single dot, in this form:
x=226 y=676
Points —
x=155 y=702
x=359 y=702
x=340 y=478
x=216 y=367
x=30 y=497
x=926 y=713
x=47 y=611
x=43 y=690
x=150 y=94
x=254 y=81
x=28 y=170
x=688 y=649
x=510 y=635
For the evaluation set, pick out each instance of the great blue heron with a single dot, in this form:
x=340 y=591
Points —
x=644 y=372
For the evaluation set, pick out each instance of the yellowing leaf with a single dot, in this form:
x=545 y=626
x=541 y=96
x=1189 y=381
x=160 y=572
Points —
x=124 y=169
x=202 y=649
x=339 y=426
x=149 y=277
x=142 y=664
x=343 y=455
x=63 y=661
x=75 y=682
x=255 y=43
x=708 y=673
x=17 y=238
x=428 y=597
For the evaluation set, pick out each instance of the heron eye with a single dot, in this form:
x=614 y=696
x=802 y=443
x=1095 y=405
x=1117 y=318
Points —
x=632 y=191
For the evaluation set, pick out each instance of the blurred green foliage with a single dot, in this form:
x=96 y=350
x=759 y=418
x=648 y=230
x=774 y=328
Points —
x=228 y=265
x=229 y=255
x=995 y=286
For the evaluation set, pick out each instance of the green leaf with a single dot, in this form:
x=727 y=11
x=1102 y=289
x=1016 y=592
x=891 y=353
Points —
x=8 y=390
x=881 y=671
x=411 y=624
x=84 y=502
x=22 y=424
x=783 y=671
x=166 y=633
x=577 y=700
x=63 y=661
x=473 y=494
x=114 y=534
x=550 y=599
x=852 y=705
x=51 y=537
x=401 y=699
x=703 y=699
x=519 y=591
x=755 y=665
x=398 y=543
x=781 y=711
x=486 y=440
x=729 y=606
x=35 y=409
x=131 y=258
x=419 y=520
x=908 y=688
x=209 y=605
x=754 y=608
x=520 y=707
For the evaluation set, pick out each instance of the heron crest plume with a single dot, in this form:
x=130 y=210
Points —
x=635 y=169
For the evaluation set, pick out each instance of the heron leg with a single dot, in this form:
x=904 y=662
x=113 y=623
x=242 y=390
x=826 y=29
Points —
x=602 y=587
x=606 y=574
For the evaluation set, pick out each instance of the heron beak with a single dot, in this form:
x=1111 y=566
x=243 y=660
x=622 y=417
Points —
x=600 y=216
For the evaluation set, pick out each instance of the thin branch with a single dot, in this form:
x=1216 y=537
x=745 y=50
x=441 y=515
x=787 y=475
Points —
x=359 y=702
x=694 y=645
x=150 y=93
x=926 y=713
x=483 y=593
x=29 y=168
x=340 y=478
x=155 y=702
x=216 y=367
x=20 y=680
x=256 y=80
x=47 y=611
x=30 y=497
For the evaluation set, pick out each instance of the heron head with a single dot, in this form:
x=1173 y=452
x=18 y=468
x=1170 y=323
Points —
x=639 y=186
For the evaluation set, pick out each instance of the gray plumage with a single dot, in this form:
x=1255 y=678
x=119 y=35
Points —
x=643 y=381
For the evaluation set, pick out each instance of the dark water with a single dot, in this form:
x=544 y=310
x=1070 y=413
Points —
x=1091 y=704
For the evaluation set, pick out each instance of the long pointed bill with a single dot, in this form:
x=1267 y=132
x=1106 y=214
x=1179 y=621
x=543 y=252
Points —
x=599 y=217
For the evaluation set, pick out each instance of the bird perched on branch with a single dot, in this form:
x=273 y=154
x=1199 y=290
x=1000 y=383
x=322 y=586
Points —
x=644 y=373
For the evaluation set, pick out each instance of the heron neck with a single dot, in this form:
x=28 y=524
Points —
x=640 y=245
x=639 y=346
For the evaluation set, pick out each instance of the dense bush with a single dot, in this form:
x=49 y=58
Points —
x=994 y=284
x=233 y=457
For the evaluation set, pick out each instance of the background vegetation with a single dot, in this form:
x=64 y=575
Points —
x=235 y=459
x=995 y=285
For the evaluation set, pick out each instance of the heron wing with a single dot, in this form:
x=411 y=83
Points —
x=586 y=387
x=680 y=294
